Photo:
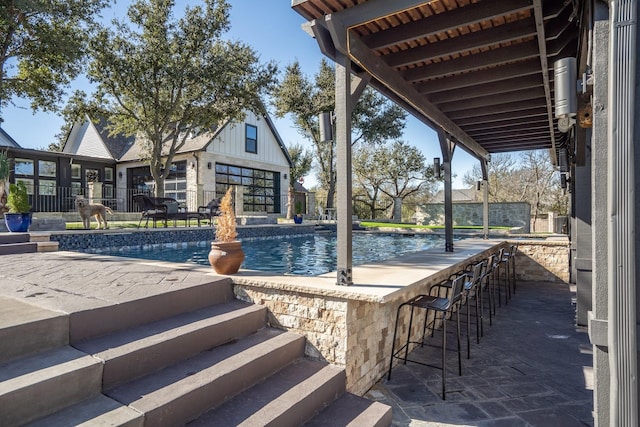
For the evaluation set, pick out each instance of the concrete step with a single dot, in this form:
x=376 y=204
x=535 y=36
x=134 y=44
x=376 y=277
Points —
x=184 y=391
x=8 y=238
x=37 y=386
x=104 y=320
x=289 y=397
x=26 y=329
x=353 y=411
x=96 y=411
x=18 y=248
x=135 y=352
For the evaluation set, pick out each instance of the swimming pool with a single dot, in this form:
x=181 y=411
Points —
x=307 y=255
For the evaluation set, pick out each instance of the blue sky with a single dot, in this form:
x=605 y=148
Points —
x=273 y=29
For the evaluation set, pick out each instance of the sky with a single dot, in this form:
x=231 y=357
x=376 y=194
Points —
x=273 y=30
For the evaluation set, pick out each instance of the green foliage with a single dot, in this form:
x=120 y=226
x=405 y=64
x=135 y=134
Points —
x=166 y=78
x=374 y=118
x=300 y=166
x=42 y=47
x=18 y=200
x=391 y=171
x=5 y=166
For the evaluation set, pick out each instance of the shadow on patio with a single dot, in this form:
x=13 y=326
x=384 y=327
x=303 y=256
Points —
x=533 y=367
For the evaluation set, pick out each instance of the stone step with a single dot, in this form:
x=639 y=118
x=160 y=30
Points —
x=7 y=238
x=353 y=411
x=289 y=397
x=40 y=385
x=96 y=411
x=135 y=352
x=184 y=391
x=18 y=248
x=26 y=329
x=102 y=320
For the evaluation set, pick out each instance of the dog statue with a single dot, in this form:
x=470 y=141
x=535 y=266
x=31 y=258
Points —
x=88 y=210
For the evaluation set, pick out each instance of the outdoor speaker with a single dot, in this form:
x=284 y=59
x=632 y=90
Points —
x=565 y=75
x=326 y=126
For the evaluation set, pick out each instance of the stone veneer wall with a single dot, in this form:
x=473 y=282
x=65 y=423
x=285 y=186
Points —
x=349 y=331
x=543 y=260
x=513 y=214
x=356 y=333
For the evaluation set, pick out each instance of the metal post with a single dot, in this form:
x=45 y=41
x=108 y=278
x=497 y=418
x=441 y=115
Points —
x=446 y=147
x=343 y=169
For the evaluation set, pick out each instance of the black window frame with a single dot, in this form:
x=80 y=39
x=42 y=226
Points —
x=250 y=144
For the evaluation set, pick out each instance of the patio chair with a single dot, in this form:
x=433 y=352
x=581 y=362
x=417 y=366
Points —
x=446 y=306
x=150 y=209
x=486 y=288
x=211 y=210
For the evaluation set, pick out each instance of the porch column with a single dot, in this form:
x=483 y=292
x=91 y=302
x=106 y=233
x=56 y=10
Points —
x=484 y=184
x=446 y=147
x=343 y=169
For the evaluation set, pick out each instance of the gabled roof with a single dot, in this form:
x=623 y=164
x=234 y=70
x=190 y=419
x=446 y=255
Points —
x=124 y=148
x=7 y=141
x=117 y=145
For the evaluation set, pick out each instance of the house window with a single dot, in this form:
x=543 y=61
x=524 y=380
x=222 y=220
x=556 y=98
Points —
x=261 y=188
x=28 y=183
x=76 y=171
x=76 y=188
x=107 y=191
x=251 y=141
x=24 y=167
x=47 y=187
x=108 y=174
x=46 y=168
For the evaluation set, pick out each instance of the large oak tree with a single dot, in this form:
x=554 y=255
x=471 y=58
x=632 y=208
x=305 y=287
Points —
x=43 y=47
x=374 y=119
x=164 y=78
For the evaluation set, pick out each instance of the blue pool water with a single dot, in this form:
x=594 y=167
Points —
x=306 y=255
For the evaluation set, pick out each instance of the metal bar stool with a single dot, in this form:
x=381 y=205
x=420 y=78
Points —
x=486 y=287
x=444 y=305
x=509 y=260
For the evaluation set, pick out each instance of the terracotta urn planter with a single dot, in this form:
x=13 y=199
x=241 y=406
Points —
x=226 y=257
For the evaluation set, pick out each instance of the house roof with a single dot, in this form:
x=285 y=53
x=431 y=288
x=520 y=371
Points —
x=480 y=71
x=457 y=195
x=7 y=141
x=124 y=148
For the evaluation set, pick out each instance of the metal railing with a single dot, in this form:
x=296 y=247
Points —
x=62 y=199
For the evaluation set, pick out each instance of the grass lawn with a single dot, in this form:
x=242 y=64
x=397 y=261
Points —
x=426 y=227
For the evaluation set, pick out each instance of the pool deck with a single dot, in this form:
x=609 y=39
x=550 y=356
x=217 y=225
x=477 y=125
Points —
x=534 y=364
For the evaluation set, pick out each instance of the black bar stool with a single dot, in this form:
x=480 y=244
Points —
x=444 y=305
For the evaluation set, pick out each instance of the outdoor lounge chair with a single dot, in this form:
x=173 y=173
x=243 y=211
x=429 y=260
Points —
x=150 y=209
x=211 y=210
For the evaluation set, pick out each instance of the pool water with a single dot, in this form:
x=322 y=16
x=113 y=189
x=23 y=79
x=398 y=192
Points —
x=307 y=255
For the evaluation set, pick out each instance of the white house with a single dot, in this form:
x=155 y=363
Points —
x=250 y=155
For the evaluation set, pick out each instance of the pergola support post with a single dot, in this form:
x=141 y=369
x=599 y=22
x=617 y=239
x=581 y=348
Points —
x=344 y=107
x=447 y=147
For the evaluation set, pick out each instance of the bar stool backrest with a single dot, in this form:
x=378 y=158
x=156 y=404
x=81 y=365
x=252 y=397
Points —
x=457 y=286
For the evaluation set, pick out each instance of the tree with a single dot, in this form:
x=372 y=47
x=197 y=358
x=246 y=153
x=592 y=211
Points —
x=396 y=170
x=165 y=79
x=374 y=119
x=42 y=47
x=301 y=160
x=528 y=177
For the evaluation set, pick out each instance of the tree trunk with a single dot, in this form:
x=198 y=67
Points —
x=291 y=202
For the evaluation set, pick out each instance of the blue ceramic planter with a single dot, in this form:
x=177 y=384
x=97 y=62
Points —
x=18 y=222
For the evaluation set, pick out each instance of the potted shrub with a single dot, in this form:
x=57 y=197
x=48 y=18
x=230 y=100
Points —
x=226 y=253
x=19 y=217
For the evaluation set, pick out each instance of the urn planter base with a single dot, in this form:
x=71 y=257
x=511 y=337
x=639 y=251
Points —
x=226 y=258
